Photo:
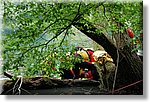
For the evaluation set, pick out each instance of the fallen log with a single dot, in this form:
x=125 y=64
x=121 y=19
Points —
x=42 y=83
x=49 y=86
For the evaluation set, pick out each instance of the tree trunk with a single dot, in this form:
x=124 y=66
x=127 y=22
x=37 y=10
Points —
x=130 y=68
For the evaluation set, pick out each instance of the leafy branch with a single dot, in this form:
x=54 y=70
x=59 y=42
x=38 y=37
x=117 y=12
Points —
x=57 y=34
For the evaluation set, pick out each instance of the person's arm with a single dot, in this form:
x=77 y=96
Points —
x=72 y=72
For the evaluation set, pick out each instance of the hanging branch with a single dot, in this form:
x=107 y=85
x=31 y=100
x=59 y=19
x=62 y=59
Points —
x=63 y=38
x=62 y=30
x=77 y=17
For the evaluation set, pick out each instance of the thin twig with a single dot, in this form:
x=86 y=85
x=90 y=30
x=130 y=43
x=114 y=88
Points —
x=105 y=12
x=8 y=91
x=115 y=72
x=63 y=38
x=128 y=85
x=88 y=90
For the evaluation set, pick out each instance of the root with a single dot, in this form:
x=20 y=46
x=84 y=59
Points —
x=88 y=92
x=14 y=88
x=17 y=87
x=20 y=86
x=26 y=91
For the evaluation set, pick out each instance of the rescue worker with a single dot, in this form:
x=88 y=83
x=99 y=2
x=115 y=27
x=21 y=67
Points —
x=88 y=63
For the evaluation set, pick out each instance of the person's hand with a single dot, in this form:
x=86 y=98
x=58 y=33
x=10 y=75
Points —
x=74 y=77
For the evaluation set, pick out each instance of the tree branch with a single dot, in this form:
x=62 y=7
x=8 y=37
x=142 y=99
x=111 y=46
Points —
x=104 y=11
x=63 y=38
x=89 y=30
x=58 y=34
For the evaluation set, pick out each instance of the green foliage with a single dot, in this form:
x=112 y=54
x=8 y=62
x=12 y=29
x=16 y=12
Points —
x=35 y=34
x=38 y=35
x=107 y=16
